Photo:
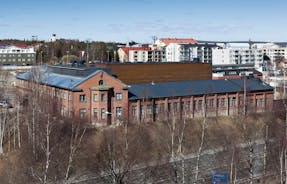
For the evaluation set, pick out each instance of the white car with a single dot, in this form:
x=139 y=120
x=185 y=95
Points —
x=4 y=104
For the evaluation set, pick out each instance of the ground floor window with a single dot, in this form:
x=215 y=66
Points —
x=103 y=113
x=134 y=111
x=148 y=109
x=118 y=111
x=83 y=113
x=95 y=113
x=155 y=109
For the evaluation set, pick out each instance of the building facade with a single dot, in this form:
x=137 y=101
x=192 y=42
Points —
x=97 y=97
x=140 y=54
x=189 y=52
x=237 y=56
x=12 y=55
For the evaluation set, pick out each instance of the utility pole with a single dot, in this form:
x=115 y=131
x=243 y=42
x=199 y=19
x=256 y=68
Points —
x=154 y=38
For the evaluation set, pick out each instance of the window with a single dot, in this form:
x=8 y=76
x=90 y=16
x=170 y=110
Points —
x=141 y=110
x=155 y=109
x=118 y=111
x=240 y=101
x=103 y=113
x=194 y=105
x=82 y=98
x=101 y=82
x=148 y=109
x=56 y=92
x=259 y=102
x=187 y=106
x=182 y=106
x=233 y=102
x=199 y=105
x=134 y=111
x=95 y=97
x=175 y=106
x=103 y=96
x=95 y=113
x=169 y=107
x=119 y=96
x=82 y=113
x=222 y=102
x=161 y=108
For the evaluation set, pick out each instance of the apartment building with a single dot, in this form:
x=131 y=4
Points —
x=237 y=56
x=140 y=54
x=189 y=52
x=100 y=98
x=273 y=51
x=17 y=55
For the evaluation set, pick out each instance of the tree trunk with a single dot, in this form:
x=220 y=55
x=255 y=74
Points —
x=265 y=150
x=281 y=166
x=18 y=126
x=33 y=129
x=231 y=166
x=74 y=145
x=200 y=150
x=3 y=121
x=47 y=151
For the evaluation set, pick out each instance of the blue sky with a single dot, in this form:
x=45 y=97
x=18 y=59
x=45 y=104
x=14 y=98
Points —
x=138 y=20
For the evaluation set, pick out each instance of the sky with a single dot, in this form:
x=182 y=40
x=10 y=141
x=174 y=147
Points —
x=139 y=20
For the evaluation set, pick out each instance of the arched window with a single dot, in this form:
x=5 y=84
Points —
x=101 y=82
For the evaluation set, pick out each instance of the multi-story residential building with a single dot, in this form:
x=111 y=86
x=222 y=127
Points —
x=17 y=55
x=98 y=97
x=273 y=51
x=189 y=52
x=237 y=55
x=140 y=54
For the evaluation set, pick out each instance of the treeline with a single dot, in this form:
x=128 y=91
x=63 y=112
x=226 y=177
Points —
x=62 y=50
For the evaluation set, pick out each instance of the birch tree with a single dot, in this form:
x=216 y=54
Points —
x=77 y=134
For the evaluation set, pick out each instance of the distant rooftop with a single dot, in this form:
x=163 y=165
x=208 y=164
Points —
x=61 y=76
x=177 y=40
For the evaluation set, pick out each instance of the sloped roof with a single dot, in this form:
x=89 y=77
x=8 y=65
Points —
x=52 y=77
x=127 y=49
x=194 y=87
x=177 y=40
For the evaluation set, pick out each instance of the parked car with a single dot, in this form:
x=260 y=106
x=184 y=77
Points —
x=5 y=104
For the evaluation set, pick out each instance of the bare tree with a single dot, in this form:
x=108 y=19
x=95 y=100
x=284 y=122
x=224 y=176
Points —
x=3 y=125
x=203 y=128
x=77 y=135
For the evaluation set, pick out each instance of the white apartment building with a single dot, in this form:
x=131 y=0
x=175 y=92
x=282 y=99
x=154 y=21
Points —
x=273 y=51
x=138 y=55
x=13 y=55
x=141 y=54
x=237 y=55
x=189 y=52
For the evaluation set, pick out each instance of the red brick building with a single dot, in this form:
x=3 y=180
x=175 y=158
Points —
x=96 y=96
